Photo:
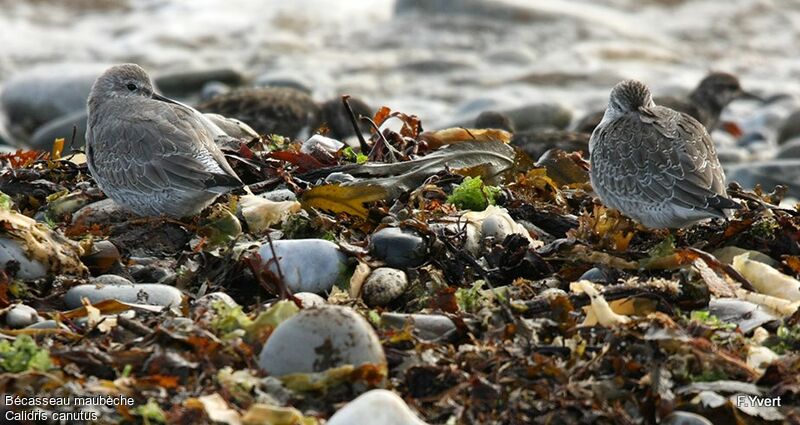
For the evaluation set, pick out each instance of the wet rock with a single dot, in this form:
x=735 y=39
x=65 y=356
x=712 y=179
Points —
x=790 y=128
x=102 y=257
x=494 y=119
x=400 y=248
x=594 y=275
x=685 y=418
x=41 y=94
x=789 y=150
x=536 y=143
x=309 y=299
x=768 y=174
x=540 y=116
x=383 y=286
x=108 y=287
x=746 y=315
x=478 y=8
x=185 y=83
x=308 y=265
x=21 y=316
x=335 y=117
x=732 y=155
x=376 y=407
x=62 y=127
x=320 y=338
x=29 y=269
x=101 y=212
x=426 y=326
x=282 y=80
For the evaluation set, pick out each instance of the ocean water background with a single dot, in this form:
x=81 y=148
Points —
x=444 y=60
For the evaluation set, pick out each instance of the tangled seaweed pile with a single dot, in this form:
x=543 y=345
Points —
x=499 y=290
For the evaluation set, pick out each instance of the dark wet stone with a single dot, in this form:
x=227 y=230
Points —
x=540 y=116
x=400 y=248
x=64 y=127
x=494 y=119
x=44 y=93
x=320 y=338
x=102 y=258
x=790 y=149
x=768 y=174
x=790 y=128
x=109 y=287
x=732 y=155
x=185 y=83
x=594 y=275
x=535 y=143
x=335 y=117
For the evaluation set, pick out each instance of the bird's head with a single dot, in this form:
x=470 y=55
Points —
x=629 y=96
x=720 y=89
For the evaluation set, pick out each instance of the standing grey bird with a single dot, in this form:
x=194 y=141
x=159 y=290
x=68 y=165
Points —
x=150 y=154
x=655 y=164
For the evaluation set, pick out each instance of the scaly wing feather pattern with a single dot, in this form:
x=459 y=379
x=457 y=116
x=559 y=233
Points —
x=669 y=158
x=161 y=149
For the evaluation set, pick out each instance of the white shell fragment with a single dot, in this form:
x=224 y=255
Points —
x=599 y=310
x=260 y=213
x=767 y=280
x=376 y=407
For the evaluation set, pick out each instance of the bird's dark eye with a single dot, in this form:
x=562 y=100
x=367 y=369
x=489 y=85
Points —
x=131 y=86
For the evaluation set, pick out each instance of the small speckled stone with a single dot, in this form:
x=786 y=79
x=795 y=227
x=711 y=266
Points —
x=320 y=338
x=383 y=286
x=142 y=293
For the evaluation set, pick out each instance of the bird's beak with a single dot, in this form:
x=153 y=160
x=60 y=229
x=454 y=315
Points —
x=157 y=96
x=746 y=95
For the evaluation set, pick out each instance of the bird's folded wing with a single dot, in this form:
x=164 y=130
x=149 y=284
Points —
x=153 y=152
x=671 y=160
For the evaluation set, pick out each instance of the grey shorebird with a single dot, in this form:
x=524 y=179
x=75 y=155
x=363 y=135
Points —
x=655 y=164
x=150 y=154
